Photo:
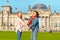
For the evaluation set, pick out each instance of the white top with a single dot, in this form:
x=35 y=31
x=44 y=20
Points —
x=20 y=25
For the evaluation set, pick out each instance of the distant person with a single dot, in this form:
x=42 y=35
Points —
x=34 y=24
x=20 y=25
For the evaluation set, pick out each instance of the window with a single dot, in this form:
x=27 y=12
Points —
x=4 y=24
x=11 y=24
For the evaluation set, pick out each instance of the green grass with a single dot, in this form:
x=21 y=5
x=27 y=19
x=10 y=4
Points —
x=26 y=36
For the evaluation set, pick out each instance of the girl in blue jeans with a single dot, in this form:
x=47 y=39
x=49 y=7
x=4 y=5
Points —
x=33 y=22
x=20 y=25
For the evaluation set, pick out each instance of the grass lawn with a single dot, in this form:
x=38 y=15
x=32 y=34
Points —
x=26 y=36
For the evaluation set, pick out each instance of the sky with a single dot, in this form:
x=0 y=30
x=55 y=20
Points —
x=22 y=5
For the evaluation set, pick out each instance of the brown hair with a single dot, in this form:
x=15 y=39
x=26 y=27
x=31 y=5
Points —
x=19 y=12
x=37 y=14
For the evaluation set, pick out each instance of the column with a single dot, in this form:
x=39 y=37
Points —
x=41 y=21
x=2 y=18
x=8 y=20
x=45 y=21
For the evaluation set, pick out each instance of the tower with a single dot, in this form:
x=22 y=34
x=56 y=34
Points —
x=29 y=9
x=49 y=8
x=6 y=10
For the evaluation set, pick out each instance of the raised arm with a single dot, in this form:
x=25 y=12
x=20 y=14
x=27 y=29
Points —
x=23 y=23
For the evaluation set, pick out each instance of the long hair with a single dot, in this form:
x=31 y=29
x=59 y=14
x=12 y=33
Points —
x=37 y=14
x=21 y=14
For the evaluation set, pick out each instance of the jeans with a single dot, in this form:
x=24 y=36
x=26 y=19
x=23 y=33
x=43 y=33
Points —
x=34 y=34
x=19 y=35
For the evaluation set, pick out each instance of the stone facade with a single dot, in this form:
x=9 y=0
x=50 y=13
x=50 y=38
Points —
x=47 y=20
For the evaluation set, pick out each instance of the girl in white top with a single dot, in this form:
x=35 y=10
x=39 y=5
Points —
x=20 y=25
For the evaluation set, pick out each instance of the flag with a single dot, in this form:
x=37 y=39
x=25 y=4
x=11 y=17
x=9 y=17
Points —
x=7 y=1
x=16 y=8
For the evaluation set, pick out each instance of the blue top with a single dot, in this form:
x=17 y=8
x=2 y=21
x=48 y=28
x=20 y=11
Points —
x=35 y=24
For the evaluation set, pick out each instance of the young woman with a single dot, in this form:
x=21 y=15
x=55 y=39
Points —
x=20 y=25
x=34 y=24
